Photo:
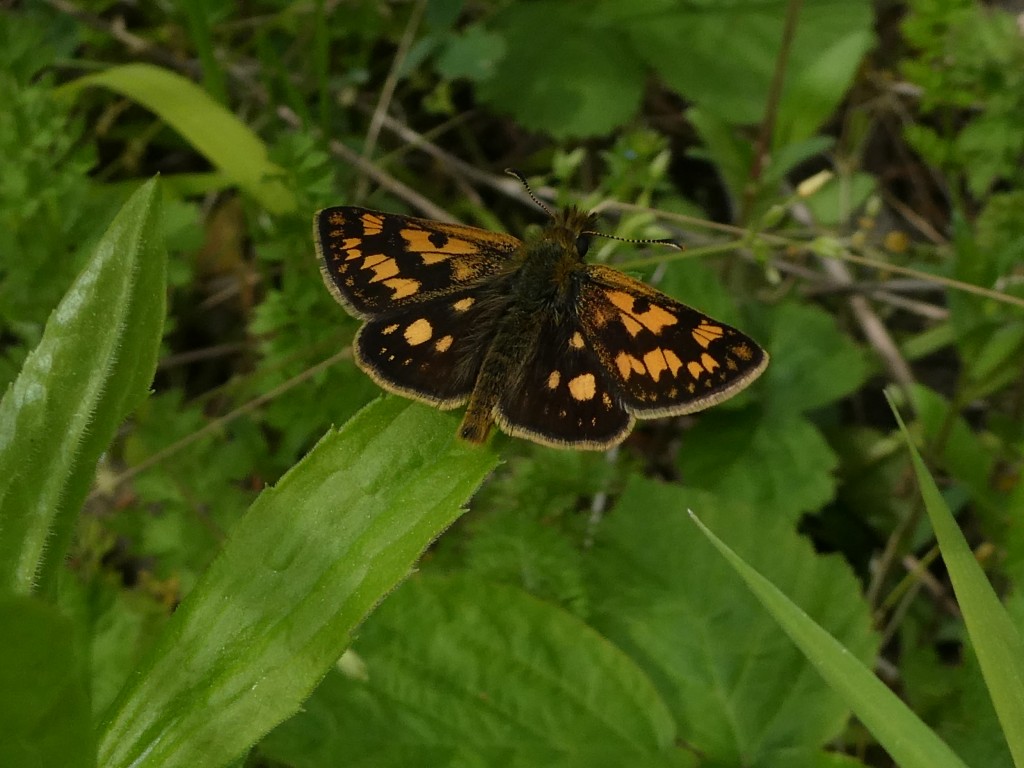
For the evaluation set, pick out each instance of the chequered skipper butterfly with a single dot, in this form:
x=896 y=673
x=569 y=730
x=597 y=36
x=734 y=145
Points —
x=536 y=340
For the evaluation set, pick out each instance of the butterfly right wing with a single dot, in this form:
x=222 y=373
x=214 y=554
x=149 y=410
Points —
x=662 y=357
x=561 y=394
x=375 y=262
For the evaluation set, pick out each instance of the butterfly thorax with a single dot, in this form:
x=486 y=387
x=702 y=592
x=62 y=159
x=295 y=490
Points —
x=539 y=295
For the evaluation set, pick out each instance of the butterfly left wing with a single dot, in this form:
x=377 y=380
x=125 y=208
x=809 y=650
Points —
x=374 y=262
x=430 y=351
x=663 y=358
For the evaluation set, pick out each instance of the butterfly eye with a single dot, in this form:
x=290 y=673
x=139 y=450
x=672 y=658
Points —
x=583 y=244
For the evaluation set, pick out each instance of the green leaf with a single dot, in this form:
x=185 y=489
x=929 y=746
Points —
x=563 y=74
x=459 y=671
x=794 y=463
x=204 y=123
x=312 y=557
x=813 y=363
x=740 y=692
x=731 y=154
x=44 y=696
x=996 y=641
x=908 y=741
x=723 y=55
x=474 y=54
x=91 y=368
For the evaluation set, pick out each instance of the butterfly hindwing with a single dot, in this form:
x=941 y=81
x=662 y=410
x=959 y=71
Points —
x=428 y=351
x=663 y=357
x=374 y=262
x=561 y=395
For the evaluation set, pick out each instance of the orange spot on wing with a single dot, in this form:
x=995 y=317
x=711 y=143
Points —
x=632 y=326
x=674 y=363
x=402 y=286
x=583 y=387
x=418 y=331
x=384 y=270
x=705 y=333
x=695 y=369
x=709 y=362
x=655 y=362
x=628 y=365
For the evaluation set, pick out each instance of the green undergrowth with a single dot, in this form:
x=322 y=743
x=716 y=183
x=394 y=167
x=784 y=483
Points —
x=221 y=545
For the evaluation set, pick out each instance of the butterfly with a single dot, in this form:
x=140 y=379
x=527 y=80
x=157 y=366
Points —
x=535 y=340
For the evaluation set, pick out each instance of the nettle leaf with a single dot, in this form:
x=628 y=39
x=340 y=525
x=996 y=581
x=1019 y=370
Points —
x=775 y=457
x=783 y=466
x=562 y=73
x=459 y=671
x=741 y=693
x=813 y=362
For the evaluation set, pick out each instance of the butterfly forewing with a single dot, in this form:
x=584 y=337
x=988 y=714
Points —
x=375 y=262
x=561 y=395
x=664 y=358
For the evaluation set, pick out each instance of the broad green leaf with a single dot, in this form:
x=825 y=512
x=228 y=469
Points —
x=311 y=558
x=782 y=465
x=93 y=365
x=996 y=641
x=908 y=740
x=722 y=56
x=460 y=671
x=44 y=695
x=562 y=73
x=473 y=54
x=813 y=362
x=204 y=123
x=740 y=692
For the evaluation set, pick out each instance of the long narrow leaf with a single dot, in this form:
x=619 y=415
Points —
x=995 y=639
x=296 y=576
x=93 y=365
x=213 y=130
x=908 y=740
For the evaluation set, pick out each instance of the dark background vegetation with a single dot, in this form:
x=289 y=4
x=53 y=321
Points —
x=902 y=267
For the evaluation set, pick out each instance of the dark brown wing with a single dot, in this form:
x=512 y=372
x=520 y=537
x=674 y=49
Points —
x=663 y=358
x=561 y=395
x=373 y=262
x=429 y=351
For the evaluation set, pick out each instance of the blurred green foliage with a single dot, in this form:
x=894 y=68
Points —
x=573 y=616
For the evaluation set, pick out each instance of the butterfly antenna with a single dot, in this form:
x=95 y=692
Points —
x=526 y=185
x=663 y=241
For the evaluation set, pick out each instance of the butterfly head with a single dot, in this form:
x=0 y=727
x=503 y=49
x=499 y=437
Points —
x=572 y=229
